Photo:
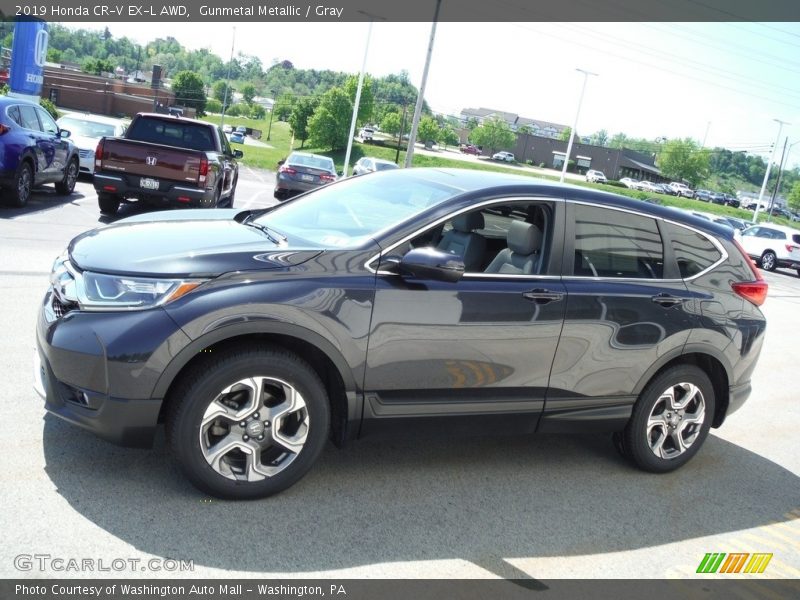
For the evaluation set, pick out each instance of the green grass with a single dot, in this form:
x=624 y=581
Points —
x=281 y=138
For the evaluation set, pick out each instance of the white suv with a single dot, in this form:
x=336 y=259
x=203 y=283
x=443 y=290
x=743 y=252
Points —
x=506 y=156
x=773 y=246
x=681 y=189
x=596 y=176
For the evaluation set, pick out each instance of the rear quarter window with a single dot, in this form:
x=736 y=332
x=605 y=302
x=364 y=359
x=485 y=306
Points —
x=693 y=251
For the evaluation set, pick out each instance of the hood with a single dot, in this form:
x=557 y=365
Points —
x=196 y=243
x=84 y=143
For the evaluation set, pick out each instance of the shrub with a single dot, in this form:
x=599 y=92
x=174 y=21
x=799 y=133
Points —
x=542 y=165
x=213 y=105
x=49 y=107
x=529 y=162
x=615 y=183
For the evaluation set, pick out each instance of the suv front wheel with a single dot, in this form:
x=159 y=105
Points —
x=248 y=423
x=670 y=420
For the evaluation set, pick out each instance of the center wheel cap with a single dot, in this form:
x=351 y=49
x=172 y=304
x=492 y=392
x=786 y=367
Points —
x=254 y=428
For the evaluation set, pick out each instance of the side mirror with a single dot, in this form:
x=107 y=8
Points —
x=238 y=154
x=430 y=263
x=63 y=133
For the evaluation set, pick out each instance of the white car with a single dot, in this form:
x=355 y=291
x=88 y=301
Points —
x=596 y=176
x=681 y=189
x=504 y=156
x=649 y=186
x=629 y=183
x=227 y=129
x=369 y=164
x=86 y=130
x=773 y=246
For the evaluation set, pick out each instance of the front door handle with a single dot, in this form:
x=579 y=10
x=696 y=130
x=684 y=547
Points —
x=666 y=300
x=542 y=296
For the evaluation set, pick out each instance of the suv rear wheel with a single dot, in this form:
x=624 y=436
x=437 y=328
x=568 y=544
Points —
x=670 y=420
x=248 y=423
x=109 y=204
x=769 y=261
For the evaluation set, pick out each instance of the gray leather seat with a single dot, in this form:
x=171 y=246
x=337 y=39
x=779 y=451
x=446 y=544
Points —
x=523 y=253
x=462 y=240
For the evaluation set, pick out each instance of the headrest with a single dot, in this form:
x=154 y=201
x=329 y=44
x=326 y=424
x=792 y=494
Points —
x=524 y=238
x=467 y=222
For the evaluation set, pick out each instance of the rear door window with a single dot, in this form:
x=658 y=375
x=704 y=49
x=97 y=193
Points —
x=28 y=118
x=693 y=251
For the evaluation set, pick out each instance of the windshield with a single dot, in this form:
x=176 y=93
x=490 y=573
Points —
x=353 y=211
x=87 y=128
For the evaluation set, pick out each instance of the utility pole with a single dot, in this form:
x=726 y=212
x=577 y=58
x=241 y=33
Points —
x=769 y=168
x=778 y=182
x=272 y=112
x=227 y=81
x=575 y=123
x=400 y=135
x=353 y=121
x=412 y=137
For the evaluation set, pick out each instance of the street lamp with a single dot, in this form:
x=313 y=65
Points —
x=353 y=121
x=227 y=81
x=769 y=168
x=575 y=124
x=272 y=112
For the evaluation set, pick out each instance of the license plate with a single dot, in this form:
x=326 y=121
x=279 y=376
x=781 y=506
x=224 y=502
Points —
x=148 y=184
x=307 y=177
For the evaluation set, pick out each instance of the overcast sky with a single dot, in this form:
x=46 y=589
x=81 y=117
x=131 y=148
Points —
x=654 y=79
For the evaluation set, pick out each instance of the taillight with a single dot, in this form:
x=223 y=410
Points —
x=791 y=248
x=753 y=291
x=288 y=170
x=98 y=154
x=203 y=170
x=4 y=129
x=324 y=177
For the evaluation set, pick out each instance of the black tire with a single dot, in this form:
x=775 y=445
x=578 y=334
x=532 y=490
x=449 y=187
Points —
x=22 y=186
x=232 y=195
x=206 y=381
x=798 y=272
x=636 y=441
x=768 y=261
x=281 y=196
x=67 y=185
x=109 y=204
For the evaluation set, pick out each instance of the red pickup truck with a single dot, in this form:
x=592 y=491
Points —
x=165 y=160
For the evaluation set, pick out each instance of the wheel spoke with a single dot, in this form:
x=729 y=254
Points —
x=216 y=452
x=677 y=439
x=218 y=409
x=657 y=446
x=293 y=443
x=689 y=392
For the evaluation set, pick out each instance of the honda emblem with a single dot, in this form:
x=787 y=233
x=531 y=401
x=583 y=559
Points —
x=151 y=160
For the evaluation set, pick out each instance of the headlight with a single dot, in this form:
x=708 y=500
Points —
x=98 y=291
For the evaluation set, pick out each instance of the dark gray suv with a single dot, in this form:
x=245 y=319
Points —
x=411 y=297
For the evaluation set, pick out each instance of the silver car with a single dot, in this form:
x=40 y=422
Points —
x=86 y=131
x=370 y=164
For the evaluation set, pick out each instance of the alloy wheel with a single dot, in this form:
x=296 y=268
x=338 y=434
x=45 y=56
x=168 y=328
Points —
x=676 y=420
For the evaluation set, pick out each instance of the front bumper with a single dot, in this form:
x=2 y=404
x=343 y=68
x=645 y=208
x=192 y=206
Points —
x=99 y=370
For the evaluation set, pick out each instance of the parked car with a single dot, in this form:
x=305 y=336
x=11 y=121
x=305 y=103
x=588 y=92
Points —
x=738 y=224
x=370 y=164
x=87 y=130
x=773 y=246
x=33 y=151
x=469 y=149
x=681 y=189
x=665 y=189
x=717 y=198
x=703 y=195
x=236 y=137
x=255 y=336
x=366 y=134
x=503 y=156
x=630 y=183
x=226 y=129
x=596 y=176
x=648 y=186
x=731 y=200
x=752 y=204
x=302 y=172
x=241 y=129
x=163 y=160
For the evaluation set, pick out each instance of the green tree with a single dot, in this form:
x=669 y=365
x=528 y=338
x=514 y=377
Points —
x=4 y=89
x=472 y=123
x=449 y=137
x=599 y=138
x=494 y=134
x=329 y=127
x=248 y=92
x=565 y=133
x=96 y=66
x=190 y=91
x=391 y=123
x=301 y=114
x=618 y=140
x=49 y=107
x=525 y=130
x=429 y=131
x=218 y=91
x=257 y=112
x=367 y=101
x=794 y=197
x=684 y=159
x=213 y=105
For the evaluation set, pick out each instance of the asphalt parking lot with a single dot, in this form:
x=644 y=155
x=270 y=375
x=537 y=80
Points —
x=530 y=507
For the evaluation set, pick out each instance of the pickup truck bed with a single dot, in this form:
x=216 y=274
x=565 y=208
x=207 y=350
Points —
x=164 y=160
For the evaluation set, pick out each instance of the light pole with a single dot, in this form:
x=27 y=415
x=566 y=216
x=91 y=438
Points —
x=787 y=149
x=227 y=81
x=353 y=121
x=412 y=137
x=272 y=112
x=769 y=168
x=575 y=123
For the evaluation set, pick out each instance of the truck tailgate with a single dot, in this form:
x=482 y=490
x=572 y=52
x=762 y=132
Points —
x=151 y=161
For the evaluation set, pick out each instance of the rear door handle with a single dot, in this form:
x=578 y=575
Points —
x=666 y=300
x=542 y=296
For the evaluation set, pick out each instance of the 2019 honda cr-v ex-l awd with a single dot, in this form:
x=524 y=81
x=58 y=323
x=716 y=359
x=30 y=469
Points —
x=464 y=298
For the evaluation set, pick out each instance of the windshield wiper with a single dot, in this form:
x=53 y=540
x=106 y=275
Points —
x=267 y=231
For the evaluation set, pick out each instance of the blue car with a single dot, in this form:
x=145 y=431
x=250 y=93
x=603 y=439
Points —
x=237 y=137
x=33 y=151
